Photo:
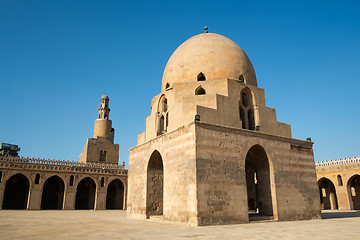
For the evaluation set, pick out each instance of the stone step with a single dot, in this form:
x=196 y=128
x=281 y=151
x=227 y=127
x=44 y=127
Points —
x=253 y=218
x=156 y=218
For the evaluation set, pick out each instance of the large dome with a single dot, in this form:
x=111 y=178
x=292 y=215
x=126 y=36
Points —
x=213 y=55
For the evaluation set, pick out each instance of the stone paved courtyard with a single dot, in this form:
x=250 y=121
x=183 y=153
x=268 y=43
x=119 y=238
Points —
x=114 y=225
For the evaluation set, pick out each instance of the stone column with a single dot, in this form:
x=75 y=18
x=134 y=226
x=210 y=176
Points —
x=100 y=203
x=69 y=199
x=343 y=198
x=2 y=189
x=34 y=202
x=332 y=199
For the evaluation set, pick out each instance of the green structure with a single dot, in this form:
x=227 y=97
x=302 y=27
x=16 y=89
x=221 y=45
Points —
x=7 y=149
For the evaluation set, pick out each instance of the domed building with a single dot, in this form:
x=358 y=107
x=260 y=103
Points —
x=212 y=152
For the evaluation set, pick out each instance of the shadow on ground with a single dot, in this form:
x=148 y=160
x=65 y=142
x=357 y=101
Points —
x=339 y=214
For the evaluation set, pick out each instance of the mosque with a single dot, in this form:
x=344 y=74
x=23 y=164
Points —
x=212 y=153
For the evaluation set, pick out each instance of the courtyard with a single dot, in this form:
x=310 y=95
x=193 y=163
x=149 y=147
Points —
x=113 y=224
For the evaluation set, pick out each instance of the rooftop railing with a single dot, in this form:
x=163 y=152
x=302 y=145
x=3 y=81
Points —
x=338 y=162
x=61 y=162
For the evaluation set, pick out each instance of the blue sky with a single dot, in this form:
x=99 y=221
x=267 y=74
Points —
x=57 y=58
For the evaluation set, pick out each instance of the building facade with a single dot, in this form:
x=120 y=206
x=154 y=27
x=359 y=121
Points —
x=212 y=152
x=97 y=181
x=339 y=183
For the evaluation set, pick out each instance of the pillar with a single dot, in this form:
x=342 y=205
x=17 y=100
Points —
x=34 y=201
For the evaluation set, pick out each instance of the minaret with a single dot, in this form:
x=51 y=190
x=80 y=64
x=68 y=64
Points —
x=103 y=126
x=101 y=148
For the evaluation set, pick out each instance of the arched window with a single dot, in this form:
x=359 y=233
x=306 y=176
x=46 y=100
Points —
x=71 y=183
x=162 y=116
x=37 y=178
x=201 y=77
x=339 y=180
x=102 y=182
x=246 y=109
x=0 y=176
x=102 y=156
x=241 y=78
x=200 y=91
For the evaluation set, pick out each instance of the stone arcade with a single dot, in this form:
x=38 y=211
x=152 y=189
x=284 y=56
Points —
x=212 y=152
x=97 y=181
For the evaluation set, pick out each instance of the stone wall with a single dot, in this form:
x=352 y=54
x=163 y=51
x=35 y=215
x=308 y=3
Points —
x=38 y=171
x=177 y=150
x=221 y=153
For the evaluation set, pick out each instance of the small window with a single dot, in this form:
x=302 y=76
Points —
x=71 y=183
x=0 y=176
x=37 y=179
x=102 y=156
x=200 y=91
x=102 y=182
x=339 y=180
x=167 y=85
x=241 y=78
x=201 y=77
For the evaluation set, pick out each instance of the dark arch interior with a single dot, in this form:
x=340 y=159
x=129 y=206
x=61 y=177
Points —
x=354 y=191
x=328 y=197
x=200 y=91
x=53 y=193
x=115 y=195
x=16 y=192
x=155 y=185
x=85 y=195
x=201 y=77
x=258 y=182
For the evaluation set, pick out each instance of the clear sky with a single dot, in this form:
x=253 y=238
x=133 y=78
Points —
x=57 y=58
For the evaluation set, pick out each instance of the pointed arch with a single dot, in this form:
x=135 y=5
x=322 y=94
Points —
x=53 y=193
x=37 y=178
x=201 y=77
x=115 y=195
x=200 y=91
x=155 y=185
x=258 y=182
x=85 y=194
x=328 y=198
x=246 y=109
x=167 y=85
x=353 y=188
x=241 y=78
x=162 y=115
x=339 y=180
x=16 y=192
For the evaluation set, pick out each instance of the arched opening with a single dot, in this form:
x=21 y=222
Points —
x=155 y=185
x=71 y=182
x=102 y=156
x=167 y=85
x=200 y=91
x=328 y=197
x=354 y=191
x=241 y=78
x=201 y=77
x=246 y=109
x=53 y=193
x=16 y=192
x=102 y=182
x=339 y=180
x=85 y=195
x=37 y=178
x=0 y=176
x=258 y=183
x=115 y=195
x=162 y=116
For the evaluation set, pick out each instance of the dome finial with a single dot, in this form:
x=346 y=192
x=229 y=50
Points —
x=206 y=29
